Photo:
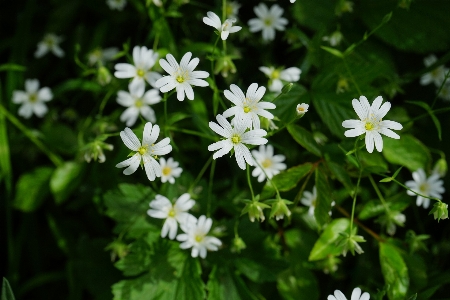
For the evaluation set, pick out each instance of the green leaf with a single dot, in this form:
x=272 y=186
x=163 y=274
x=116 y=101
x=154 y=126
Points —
x=65 y=179
x=305 y=139
x=436 y=121
x=373 y=208
x=326 y=244
x=224 y=284
x=60 y=137
x=394 y=271
x=190 y=284
x=323 y=200
x=314 y=14
x=407 y=151
x=259 y=270
x=286 y=180
x=298 y=283
x=7 y=293
x=417 y=270
x=32 y=188
x=12 y=67
x=333 y=51
x=137 y=260
x=341 y=175
x=77 y=84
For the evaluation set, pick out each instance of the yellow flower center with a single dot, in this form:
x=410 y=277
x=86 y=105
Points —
x=143 y=149
x=424 y=188
x=171 y=213
x=139 y=103
x=266 y=163
x=275 y=74
x=247 y=109
x=300 y=109
x=268 y=22
x=198 y=238
x=140 y=73
x=369 y=126
x=166 y=171
x=313 y=203
x=180 y=79
x=33 y=98
x=236 y=139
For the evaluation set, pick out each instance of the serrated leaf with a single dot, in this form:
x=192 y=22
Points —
x=305 y=139
x=65 y=179
x=7 y=293
x=326 y=244
x=394 y=271
x=286 y=180
x=407 y=151
x=323 y=200
x=32 y=188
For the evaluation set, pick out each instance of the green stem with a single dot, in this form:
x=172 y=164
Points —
x=56 y=160
x=199 y=176
x=224 y=9
x=418 y=194
x=104 y=101
x=351 y=76
x=192 y=132
x=210 y=186
x=354 y=202
x=377 y=190
x=250 y=183
x=440 y=88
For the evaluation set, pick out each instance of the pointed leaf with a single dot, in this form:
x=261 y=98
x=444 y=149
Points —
x=323 y=201
x=305 y=139
x=394 y=271
x=326 y=244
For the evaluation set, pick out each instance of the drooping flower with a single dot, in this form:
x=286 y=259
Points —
x=138 y=103
x=267 y=161
x=49 y=43
x=170 y=170
x=268 y=21
x=162 y=208
x=145 y=152
x=181 y=76
x=356 y=295
x=144 y=59
x=116 y=4
x=94 y=151
x=371 y=122
x=196 y=237
x=32 y=99
x=248 y=107
x=232 y=9
x=436 y=76
x=235 y=138
x=277 y=76
x=224 y=29
x=302 y=109
x=101 y=56
x=430 y=187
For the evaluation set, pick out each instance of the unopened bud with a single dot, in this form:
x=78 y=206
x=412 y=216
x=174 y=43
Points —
x=439 y=211
x=103 y=76
x=440 y=167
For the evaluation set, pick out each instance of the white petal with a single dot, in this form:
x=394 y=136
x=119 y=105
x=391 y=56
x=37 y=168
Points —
x=150 y=134
x=31 y=86
x=356 y=293
x=130 y=139
x=45 y=94
x=125 y=70
x=369 y=142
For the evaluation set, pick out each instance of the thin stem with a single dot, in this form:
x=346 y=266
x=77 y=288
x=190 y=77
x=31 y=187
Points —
x=104 y=101
x=224 y=9
x=210 y=186
x=354 y=202
x=418 y=194
x=377 y=190
x=250 y=183
x=365 y=228
x=351 y=76
x=199 y=176
x=192 y=132
x=440 y=88
x=212 y=60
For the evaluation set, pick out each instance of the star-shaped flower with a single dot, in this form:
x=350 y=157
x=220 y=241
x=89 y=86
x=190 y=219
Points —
x=356 y=295
x=232 y=9
x=235 y=138
x=276 y=76
x=162 y=208
x=32 y=99
x=138 y=103
x=181 y=76
x=49 y=43
x=267 y=161
x=195 y=237
x=224 y=29
x=437 y=75
x=267 y=21
x=431 y=187
x=144 y=59
x=248 y=107
x=145 y=152
x=101 y=56
x=170 y=170
x=371 y=122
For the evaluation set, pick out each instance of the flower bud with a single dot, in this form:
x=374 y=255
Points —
x=238 y=244
x=439 y=211
x=103 y=76
x=280 y=209
x=224 y=65
x=440 y=167
x=287 y=88
x=255 y=210
x=350 y=242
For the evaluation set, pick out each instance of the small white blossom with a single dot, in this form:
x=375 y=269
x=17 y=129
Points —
x=181 y=76
x=395 y=219
x=224 y=29
x=444 y=94
x=292 y=1
x=94 y=151
x=267 y=161
x=101 y=56
x=436 y=76
x=32 y=99
x=235 y=138
x=144 y=59
x=248 y=107
x=49 y=43
x=334 y=39
x=302 y=109
x=277 y=76
x=430 y=187
x=162 y=208
x=232 y=9
x=309 y=199
x=170 y=170
x=138 y=103
x=268 y=21
x=116 y=4
x=195 y=237
x=145 y=152
x=356 y=295
x=371 y=122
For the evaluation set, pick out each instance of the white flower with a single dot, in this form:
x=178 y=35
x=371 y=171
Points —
x=292 y=1
x=371 y=122
x=144 y=59
x=49 y=43
x=276 y=75
x=102 y=55
x=302 y=109
x=444 y=94
x=395 y=218
x=267 y=21
x=235 y=138
x=271 y=164
x=182 y=76
x=232 y=9
x=157 y=3
x=334 y=39
x=170 y=170
x=195 y=237
x=116 y=4
x=436 y=76
x=356 y=295
x=247 y=107
x=162 y=208
x=32 y=99
x=94 y=151
x=309 y=199
x=138 y=103
x=145 y=152
x=430 y=187
x=224 y=29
